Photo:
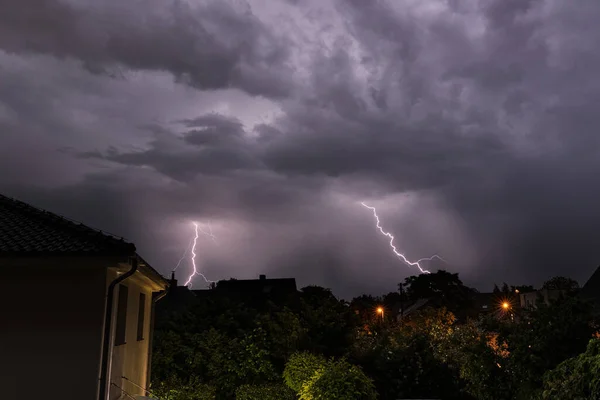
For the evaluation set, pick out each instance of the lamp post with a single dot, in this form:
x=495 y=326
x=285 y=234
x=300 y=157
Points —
x=506 y=307
x=380 y=311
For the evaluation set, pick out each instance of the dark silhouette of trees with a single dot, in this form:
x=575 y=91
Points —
x=443 y=288
x=561 y=283
x=221 y=347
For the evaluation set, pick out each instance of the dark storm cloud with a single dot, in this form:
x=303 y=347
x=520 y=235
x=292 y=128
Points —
x=490 y=108
x=216 y=146
x=404 y=157
x=214 y=130
x=211 y=46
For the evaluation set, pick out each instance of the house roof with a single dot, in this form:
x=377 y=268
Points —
x=412 y=306
x=29 y=231
x=591 y=289
x=258 y=285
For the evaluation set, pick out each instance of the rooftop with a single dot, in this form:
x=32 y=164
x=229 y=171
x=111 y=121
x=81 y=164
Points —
x=591 y=289
x=261 y=284
x=29 y=231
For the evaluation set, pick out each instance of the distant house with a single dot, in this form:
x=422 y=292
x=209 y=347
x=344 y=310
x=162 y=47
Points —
x=406 y=308
x=531 y=300
x=254 y=289
x=77 y=309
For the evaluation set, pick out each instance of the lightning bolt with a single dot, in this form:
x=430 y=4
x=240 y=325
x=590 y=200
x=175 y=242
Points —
x=395 y=250
x=183 y=256
x=193 y=251
x=209 y=233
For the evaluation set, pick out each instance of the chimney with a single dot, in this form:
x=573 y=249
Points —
x=262 y=277
x=173 y=283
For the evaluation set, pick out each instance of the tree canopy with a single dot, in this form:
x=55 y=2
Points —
x=315 y=346
x=576 y=378
x=443 y=288
x=560 y=283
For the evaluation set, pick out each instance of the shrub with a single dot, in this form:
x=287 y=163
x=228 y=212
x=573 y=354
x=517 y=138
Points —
x=194 y=391
x=338 y=380
x=274 y=391
x=300 y=368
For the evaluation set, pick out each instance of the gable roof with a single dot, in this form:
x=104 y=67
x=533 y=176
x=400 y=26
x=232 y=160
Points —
x=29 y=231
x=411 y=307
x=591 y=289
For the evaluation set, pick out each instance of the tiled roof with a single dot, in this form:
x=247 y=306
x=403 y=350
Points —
x=27 y=230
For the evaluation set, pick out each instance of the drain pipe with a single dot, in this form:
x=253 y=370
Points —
x=108 y=326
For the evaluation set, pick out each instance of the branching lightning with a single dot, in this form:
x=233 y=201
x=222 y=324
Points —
x=395 y=250
x=209 y=233
x=183 y=256
x=193 y=251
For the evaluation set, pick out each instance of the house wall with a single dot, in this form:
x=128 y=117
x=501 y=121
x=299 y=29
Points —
x=131 y=359
x=530 y=299
x=51 y=323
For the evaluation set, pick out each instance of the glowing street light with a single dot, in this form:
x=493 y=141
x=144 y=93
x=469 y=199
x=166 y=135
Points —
x=505 y=305
x=380 y=311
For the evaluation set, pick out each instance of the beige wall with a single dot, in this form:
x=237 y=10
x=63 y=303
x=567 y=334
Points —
x=131 y=359
x=51 y=319
x=51 y=328
x=529 y=300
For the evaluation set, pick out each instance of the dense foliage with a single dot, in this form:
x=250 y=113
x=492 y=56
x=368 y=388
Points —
x=314 y=346
x=338 y=380
x=300 y=368
x=576 y=378
x=274 y=391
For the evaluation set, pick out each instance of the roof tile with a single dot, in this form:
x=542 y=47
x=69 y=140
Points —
x=27 y=230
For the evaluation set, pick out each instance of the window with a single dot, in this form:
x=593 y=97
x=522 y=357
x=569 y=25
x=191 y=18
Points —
x=141 y=314
x=121 y=315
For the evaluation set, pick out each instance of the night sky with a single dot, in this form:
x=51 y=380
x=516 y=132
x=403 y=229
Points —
x=472 y=126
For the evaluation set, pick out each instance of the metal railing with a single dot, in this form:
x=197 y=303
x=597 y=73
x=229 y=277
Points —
x=146 y=391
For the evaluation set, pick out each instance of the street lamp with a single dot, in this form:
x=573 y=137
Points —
x=506 y=306
x=380 y=311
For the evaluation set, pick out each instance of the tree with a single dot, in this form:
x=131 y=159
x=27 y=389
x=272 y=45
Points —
x=542 y=339
x=405 y=366
x=402 y=361
x=391 y=299
x=576 y=378
x=443 y=288
x=561 y=283
x=470 y=352
x=285 y=333
x=435 y=324
x=300 y=368
x=315 y=295
x=338 y=380
x=364 y=306
x=522 y=289
x=330 y=323
x=185 y=391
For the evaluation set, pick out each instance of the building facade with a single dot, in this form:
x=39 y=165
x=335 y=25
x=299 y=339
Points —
x=68 y=330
